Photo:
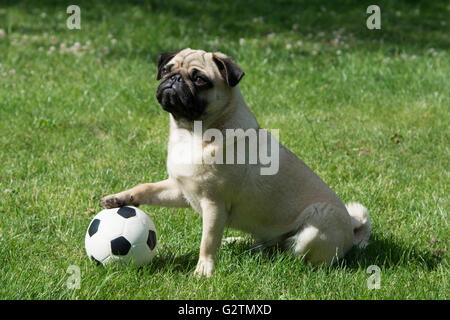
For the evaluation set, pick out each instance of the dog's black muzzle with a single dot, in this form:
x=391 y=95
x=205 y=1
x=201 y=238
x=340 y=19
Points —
x=176 y=97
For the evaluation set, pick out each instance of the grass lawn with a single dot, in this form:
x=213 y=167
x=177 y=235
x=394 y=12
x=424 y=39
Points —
x=368 y=110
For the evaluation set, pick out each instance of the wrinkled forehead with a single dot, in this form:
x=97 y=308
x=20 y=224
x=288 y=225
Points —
x=189 y=59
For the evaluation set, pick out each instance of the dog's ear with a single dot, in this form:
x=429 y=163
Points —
x=229 y=70
x=163 y=60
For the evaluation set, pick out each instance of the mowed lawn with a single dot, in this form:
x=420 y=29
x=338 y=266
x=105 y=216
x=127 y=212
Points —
x=368 y=110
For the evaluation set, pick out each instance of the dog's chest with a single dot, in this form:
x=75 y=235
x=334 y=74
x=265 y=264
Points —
x=184 y=156
x=185 y=163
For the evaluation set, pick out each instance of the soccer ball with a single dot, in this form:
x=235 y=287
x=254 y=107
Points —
x=124 y=235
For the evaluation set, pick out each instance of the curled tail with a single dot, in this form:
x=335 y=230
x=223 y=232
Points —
x=360 y=223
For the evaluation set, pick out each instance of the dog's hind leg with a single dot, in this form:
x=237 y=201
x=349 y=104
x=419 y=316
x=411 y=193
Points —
x=326 y=234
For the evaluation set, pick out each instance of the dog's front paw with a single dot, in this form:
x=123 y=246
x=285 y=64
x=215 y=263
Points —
x=205 y=267
x=117 y=200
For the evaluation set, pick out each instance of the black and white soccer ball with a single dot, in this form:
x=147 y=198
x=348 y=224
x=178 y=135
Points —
x=124 y=235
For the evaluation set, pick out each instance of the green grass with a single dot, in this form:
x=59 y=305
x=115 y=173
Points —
x=367 y=110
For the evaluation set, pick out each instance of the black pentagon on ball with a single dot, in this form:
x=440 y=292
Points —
x=126 y=212
x=120 y=246
x=93 y=227
x=151 y=240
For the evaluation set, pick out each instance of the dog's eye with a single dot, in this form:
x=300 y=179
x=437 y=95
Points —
x=164 y=70
x=199 y=81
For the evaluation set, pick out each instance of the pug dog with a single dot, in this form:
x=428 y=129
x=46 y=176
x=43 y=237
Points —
x=290 y=207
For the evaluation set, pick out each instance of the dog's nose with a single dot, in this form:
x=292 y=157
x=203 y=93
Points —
x=176 y=78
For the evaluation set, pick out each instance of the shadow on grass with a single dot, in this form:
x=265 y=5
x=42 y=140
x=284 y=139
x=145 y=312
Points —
x=168 y=261
x=389 y=253
x=384 y=253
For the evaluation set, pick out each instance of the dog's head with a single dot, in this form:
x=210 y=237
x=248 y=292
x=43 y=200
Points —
x=195 y=84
